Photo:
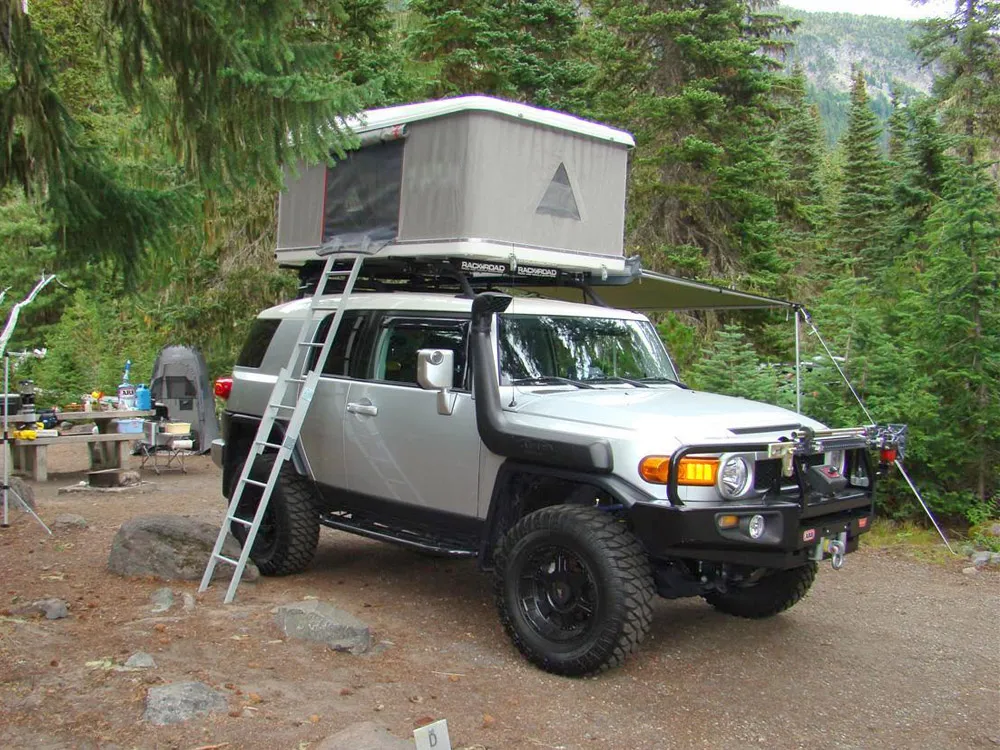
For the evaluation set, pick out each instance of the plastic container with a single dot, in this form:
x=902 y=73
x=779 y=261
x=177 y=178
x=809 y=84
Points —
x=143 y=398
x=129 y=426
x=177 y=428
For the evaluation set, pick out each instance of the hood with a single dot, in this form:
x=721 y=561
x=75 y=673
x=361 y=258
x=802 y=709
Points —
x=684 y=414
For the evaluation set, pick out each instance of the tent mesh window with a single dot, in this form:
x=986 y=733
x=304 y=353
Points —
x=362 y=195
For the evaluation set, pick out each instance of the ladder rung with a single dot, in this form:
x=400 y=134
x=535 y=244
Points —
x=295 y=380
x=239 y=520
x=281 y=406
x=223 y=558
x=266 y=444
x=255 y=483
x=313 y=344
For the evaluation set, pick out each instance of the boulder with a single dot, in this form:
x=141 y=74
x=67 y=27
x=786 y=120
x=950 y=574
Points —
x=24 y=491
x=176 y=703
x=53 y=609
x=324 y=623
x=364 y=736
x=171 y=548
x=69 y=521
x=140 y=660
x=162 y=599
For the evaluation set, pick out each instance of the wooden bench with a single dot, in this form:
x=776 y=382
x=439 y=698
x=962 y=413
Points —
x=107 y=451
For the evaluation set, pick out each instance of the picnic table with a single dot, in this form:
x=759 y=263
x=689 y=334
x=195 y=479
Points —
x=108 y=447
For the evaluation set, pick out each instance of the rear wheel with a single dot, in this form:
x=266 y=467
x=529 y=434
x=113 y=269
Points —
x=289 y=531
x=574 y=589
x=770 y=595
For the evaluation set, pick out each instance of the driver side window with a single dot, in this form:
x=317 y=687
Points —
x=402 y=338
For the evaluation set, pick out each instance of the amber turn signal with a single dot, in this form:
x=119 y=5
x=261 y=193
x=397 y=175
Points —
x=655 y=469
x=727 y=522
x=700 y=472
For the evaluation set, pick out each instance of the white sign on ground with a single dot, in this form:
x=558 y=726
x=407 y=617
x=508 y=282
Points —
x=433 y=736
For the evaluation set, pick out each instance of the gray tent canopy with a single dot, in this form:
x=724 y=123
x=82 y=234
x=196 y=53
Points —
x=180 y=381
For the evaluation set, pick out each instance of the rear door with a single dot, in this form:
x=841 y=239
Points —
x=397 y=446
x=323 y=429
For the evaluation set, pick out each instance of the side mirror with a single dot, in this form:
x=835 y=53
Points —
x=436 y=372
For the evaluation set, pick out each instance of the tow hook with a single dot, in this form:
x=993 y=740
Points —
x=837 y=549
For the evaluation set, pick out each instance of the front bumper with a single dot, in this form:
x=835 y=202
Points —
x=796 y=516
x=788 y=541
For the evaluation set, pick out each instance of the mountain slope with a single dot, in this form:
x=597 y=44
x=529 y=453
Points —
x=828 y=44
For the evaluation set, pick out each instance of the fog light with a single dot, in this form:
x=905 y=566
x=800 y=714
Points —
x=756 y=527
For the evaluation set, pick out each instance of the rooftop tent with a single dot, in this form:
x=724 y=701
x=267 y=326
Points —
x=468 y=168
x=180 y=380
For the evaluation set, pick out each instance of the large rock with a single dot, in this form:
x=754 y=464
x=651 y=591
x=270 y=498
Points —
x=69 y=521
x=324 y=623
x=24 y=491
x=364 y=736
x=171 y=548
x=173 y=704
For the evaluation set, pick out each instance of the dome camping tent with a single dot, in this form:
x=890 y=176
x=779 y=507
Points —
x=180 y=381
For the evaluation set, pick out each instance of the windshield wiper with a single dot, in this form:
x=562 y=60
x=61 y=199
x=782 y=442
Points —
x=666 y=380
x=619 y=379
x=550 y=380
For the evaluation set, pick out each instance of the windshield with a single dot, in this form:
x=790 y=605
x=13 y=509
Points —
x=536 y=347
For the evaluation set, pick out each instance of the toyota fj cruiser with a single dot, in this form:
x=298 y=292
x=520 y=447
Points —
x=556 y=444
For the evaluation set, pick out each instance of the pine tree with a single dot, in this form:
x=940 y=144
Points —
x=730 y=366
x=964 y=47
x=801 y=199
x=517 y=49
x=865 y=203
x=692 y=84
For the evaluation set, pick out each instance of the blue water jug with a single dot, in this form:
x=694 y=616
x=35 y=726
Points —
x=143 y=398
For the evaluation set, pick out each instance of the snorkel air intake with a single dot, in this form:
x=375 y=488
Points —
x=559 y=449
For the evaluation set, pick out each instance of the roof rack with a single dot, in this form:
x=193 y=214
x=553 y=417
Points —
x=460 y=276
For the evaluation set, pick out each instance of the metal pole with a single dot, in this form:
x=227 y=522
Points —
x=6 y=447
x=927 y=510
x=798 y=366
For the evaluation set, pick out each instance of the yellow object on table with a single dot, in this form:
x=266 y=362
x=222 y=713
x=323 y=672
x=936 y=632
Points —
x=24 y=434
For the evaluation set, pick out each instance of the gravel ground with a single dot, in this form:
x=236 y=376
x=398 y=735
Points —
x=889 y=652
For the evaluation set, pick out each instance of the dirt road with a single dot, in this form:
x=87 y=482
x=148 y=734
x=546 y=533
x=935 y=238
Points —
x=887 y=653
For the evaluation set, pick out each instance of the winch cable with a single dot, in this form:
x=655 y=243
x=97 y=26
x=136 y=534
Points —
x=896 y=462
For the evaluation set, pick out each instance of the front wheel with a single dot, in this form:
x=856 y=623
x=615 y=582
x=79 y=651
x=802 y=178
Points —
x=289 y=530
x=574 y=589
x=767 y=597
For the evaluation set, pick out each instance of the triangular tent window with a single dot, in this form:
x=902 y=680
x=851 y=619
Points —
x=559 y=199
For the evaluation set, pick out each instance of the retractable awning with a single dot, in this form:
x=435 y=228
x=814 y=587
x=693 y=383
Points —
x=657 y=292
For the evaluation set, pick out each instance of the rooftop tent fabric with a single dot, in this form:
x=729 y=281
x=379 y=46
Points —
x=180 y=381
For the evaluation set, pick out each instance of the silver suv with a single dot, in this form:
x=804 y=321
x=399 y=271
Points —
x=555 y=443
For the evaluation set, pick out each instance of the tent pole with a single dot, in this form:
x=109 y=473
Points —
x=798 y=366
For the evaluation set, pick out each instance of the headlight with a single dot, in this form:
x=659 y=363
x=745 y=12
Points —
x=735 y=476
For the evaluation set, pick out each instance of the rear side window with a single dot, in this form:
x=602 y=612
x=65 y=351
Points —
x=342 y=361
x=261 y=333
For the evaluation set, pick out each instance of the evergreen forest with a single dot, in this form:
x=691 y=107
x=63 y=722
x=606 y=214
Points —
x=144 y=142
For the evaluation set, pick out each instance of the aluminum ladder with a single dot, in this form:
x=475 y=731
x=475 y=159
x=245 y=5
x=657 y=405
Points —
x=298 y=372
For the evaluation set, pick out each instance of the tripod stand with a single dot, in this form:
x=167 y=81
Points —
x=5 y=489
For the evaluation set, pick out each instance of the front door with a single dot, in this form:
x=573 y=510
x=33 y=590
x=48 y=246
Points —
x=397 y=446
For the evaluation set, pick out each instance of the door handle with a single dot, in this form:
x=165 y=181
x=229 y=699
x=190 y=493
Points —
x=368 y=410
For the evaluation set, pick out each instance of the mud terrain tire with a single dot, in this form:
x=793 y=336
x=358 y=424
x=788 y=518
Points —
x=770 y=595
x=574 y=589
x=289 y=532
